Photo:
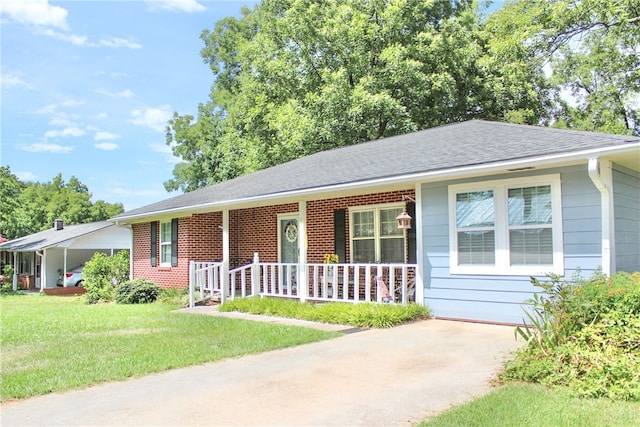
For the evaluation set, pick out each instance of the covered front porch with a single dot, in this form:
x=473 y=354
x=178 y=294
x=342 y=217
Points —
x=346 y=282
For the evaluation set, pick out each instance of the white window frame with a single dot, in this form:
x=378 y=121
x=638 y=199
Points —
x=162 y=243
x=500 y=190
x=376 y=224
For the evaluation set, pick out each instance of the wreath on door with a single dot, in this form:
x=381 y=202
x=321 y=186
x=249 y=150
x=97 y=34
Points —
x=291 y=232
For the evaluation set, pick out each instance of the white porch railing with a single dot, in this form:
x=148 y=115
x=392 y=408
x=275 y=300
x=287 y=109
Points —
x=205 y=279
x=316 y=282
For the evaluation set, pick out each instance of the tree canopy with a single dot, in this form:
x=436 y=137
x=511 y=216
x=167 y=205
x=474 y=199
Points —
x=294 y=77
x=29 y=207
x=592 y=50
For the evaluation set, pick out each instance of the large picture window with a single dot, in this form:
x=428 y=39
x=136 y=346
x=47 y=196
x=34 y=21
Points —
x=375 y=236
x=506 y=227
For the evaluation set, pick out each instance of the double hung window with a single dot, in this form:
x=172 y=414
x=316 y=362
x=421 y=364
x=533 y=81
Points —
x=506 y=227
x=375 y=236
x=165 y=243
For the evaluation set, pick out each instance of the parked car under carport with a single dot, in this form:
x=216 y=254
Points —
x=73 y=277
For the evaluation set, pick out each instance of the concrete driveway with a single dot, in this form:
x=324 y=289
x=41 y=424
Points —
x=379 y=377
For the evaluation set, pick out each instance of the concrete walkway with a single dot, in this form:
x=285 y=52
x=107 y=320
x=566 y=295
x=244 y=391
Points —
x=378 y=377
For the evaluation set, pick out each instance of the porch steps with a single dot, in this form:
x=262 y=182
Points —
x=210 y=300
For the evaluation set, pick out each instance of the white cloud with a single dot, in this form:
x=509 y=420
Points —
x=60 y=120
x=35 y=12
x=154 y=118
x=49 y=109
x=166 y=151
x=48 y=20
x=70 y=131
x=11 y=79
x=41 y=147
x=107 y=146
x=69 y=38
x=119 y=42
x=178 y=5
x=71 y=103
x=52 y=108
x=102 y=116
x=26 y=176
x=125 y=94
x=105 y=136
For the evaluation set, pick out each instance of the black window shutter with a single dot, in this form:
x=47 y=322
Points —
x=340 y=234
x=174 y=242
x=154 y=243
x=412 y=257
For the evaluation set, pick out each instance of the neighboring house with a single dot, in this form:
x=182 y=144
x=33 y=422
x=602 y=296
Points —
x=38 y=259
x=496 y=203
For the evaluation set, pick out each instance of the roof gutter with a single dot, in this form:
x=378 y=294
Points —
x=437 y=175
x=601 y=175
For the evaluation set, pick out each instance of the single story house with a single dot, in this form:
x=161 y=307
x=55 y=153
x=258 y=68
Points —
x=490 y=205
x=39 y=259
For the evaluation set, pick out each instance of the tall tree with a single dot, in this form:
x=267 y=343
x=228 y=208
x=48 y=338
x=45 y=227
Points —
x=592 y=49
x=10 y=189
x=293 y=77
x=31 y=207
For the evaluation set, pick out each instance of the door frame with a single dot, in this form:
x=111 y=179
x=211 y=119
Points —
x=284 y=217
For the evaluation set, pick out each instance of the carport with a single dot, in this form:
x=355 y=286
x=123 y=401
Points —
x=38 y=258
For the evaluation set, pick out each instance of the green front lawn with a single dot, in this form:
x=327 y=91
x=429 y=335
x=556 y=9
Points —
x=536 y=406
x=52 y=344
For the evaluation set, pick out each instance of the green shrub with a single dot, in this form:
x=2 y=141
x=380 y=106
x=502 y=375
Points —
x=584 y=335
x=102 y=274
x=137 y=291
x=6 y=280
x=364 y=315
x=175 y=296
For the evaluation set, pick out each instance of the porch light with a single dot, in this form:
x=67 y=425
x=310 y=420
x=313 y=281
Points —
x=404 y=219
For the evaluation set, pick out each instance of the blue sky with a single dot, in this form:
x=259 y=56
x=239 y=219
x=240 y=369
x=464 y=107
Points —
x=88 y=87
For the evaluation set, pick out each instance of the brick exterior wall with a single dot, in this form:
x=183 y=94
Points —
x=251 y=230
x=320 y=220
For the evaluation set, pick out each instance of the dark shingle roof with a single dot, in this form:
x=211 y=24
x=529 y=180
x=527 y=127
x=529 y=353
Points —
x=51 y=237
x=465 y=144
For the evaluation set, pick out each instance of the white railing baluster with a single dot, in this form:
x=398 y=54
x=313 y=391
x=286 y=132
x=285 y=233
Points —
x=325 y=282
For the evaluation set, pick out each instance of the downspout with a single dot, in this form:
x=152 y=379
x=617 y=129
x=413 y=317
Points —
x=600 y=174
x=43 y=280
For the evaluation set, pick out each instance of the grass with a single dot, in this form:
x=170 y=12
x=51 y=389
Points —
x=365 y=315
x=52 y=344
x=522 y=404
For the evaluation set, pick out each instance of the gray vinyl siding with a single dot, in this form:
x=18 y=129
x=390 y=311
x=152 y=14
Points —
x=499 y=298
x=626 y=211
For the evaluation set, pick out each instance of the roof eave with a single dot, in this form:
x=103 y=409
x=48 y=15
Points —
x=429 y=176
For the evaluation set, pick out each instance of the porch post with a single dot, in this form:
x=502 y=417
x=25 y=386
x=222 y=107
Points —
x=64 y=269
x=255 y=275
x=15 y=272
x=303 y=276
x=43 y=270
x=419 y=296
x=224 y=283
x=192 y=284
